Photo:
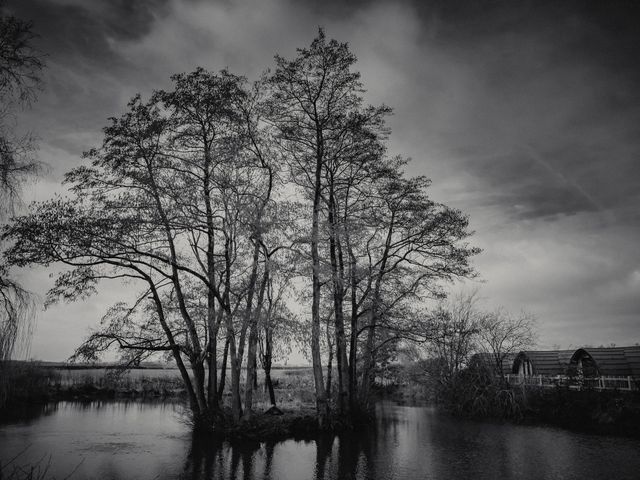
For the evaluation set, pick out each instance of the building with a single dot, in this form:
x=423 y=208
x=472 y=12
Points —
x=549 y=363
x=488 y=361
x=605 y=362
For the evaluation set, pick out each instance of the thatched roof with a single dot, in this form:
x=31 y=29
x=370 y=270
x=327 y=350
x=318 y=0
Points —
x=488 y=361
x=608 y=362
x=550 y=363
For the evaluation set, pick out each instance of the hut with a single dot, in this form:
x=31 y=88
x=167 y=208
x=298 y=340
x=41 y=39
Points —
x=547 y=363
x=606 y=362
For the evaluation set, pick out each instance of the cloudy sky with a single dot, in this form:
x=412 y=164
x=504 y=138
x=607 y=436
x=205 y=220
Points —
x=525 y=114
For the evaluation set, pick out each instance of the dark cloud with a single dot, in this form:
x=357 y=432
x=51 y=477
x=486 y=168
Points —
x=526 y=114
x=87 y=69
x=113 y=18
x=559 y=79
x=84 y=31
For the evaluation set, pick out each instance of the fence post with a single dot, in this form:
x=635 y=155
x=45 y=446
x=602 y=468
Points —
x=601 y=383
x=629 y=382
x=540 y=380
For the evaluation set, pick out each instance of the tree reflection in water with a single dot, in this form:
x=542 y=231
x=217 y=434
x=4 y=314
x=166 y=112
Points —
x=348 y=456
x=122 y=440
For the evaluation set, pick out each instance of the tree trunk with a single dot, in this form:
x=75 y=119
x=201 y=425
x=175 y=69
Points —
x=175 y=350
x=267 y=355
x=269 y=382
x=196 y=364
x=322 y=407
x=236 y=405
x=253 y=346
x=255 y=374
x=338 y=292
x=246 y=321
x=223 y=370
x=329 y=373
x=368 y=374
x=353 y=340
x=212 y=394
x=212 y=387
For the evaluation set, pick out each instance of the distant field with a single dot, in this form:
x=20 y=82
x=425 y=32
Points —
x=45 y=381
x=293 y=385
x=86 y=374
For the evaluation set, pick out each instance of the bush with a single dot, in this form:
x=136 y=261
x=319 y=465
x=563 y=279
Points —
x=25 y=382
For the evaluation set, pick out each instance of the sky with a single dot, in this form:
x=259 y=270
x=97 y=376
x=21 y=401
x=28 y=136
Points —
x=525 y=115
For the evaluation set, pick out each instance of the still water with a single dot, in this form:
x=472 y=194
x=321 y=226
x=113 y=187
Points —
x=130 y=440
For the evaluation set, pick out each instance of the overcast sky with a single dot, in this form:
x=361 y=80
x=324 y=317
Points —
x=525 y=114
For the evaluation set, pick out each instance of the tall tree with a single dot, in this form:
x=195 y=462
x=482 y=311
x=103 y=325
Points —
x=318 y=112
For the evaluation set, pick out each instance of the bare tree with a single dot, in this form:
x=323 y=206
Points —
x=316 y=110
x=375 y=238
x=453 y=334
x=503 y=334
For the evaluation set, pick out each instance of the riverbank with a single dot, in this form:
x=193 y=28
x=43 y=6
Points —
x=28 y=387
x=602 y=412
x=32 y=383
x=609 y=412
x=35 y=382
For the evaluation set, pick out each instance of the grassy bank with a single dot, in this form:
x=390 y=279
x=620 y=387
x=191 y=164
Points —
x=29 y=385
x=474 y=393
x=606 y=411
x=33 y=382
x=27 y=382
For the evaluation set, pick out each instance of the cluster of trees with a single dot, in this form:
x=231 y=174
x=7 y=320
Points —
x=228 y=204
x=470 y=347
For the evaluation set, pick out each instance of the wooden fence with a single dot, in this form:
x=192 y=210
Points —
x=578 y=383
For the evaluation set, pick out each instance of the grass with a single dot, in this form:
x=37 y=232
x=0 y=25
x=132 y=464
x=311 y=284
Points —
x=33 y=382
x=21 y=382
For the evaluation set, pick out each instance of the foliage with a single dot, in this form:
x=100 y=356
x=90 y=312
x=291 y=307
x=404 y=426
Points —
x=20 y=67
x=24 y=382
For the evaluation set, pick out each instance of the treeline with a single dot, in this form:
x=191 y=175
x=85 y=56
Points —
x=228 y=203
x=467 y=352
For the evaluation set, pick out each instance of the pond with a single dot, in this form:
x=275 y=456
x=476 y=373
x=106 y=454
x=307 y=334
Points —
x=125 y=440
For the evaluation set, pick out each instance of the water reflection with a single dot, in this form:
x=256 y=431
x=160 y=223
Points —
x=121 y=440
x=26 y=412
